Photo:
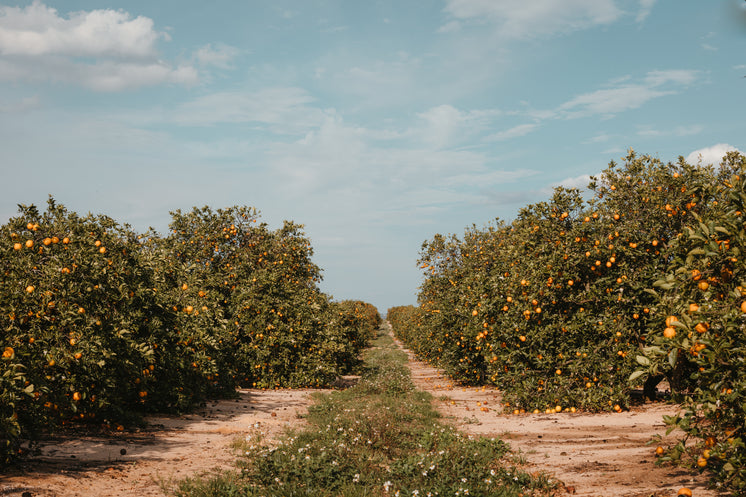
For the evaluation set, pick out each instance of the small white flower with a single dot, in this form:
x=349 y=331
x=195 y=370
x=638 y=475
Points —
x=386 y=486
x=356 y=478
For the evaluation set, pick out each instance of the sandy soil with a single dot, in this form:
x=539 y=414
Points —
x=171 y=448
x=593 y=454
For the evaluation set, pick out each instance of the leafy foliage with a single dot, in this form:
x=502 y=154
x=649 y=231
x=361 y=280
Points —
x=100 y=324
x=558 y=308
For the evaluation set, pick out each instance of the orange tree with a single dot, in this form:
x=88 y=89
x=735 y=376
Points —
x=69 y=337
x=553 y=306
x=697 y=333
x=101 y=324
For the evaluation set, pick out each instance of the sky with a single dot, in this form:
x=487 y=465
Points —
x=375 y=124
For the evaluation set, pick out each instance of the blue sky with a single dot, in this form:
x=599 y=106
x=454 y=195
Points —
x=375 y=124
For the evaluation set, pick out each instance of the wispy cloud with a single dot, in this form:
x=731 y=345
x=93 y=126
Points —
x=219 y=55
x=519 y=19
x=38 y=45
x=628 y=95
x=286 y=110
x=646 y=7
x=514 y=132
x=691 y=130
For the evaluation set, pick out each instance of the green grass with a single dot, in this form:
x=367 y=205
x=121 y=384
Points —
x=381 y=437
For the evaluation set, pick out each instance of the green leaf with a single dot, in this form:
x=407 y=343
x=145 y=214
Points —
x=636 y=374
x=642 y=360
x=672 y=356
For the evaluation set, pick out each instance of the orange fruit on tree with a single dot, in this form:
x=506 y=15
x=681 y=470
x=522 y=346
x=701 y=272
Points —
x=29 y=243
x=702 y=327
x=669 y=332
x=30 y=289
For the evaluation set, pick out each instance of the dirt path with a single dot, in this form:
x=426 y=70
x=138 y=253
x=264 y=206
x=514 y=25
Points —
x=171 y=448
x=593 y=454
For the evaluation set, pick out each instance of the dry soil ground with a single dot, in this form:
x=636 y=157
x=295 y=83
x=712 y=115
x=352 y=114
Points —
x=593 y=454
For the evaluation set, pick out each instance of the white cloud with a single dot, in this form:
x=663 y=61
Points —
x=610 y=101
x=105 y=75
x=710 y=155
x=288 y=110
x=220 y=55
x=600 y=138
x=104 y=50
x=677 y=76
x=39 y=30
x=444 y=124
x=646 y=6
x=690 y=130
x=514 y=132
x=579 y=182
x=24 y=104
x=534 y=19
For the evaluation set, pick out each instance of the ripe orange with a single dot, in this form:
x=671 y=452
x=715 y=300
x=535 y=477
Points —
x=29 y=243
x=30 y=289
x=703 y=285
x=669 y=332
x=659 y=450
x=17 y=246
x=184 y=286
x=695 y=307
x=77 y=397
x=702 y=327
x=47 y=241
